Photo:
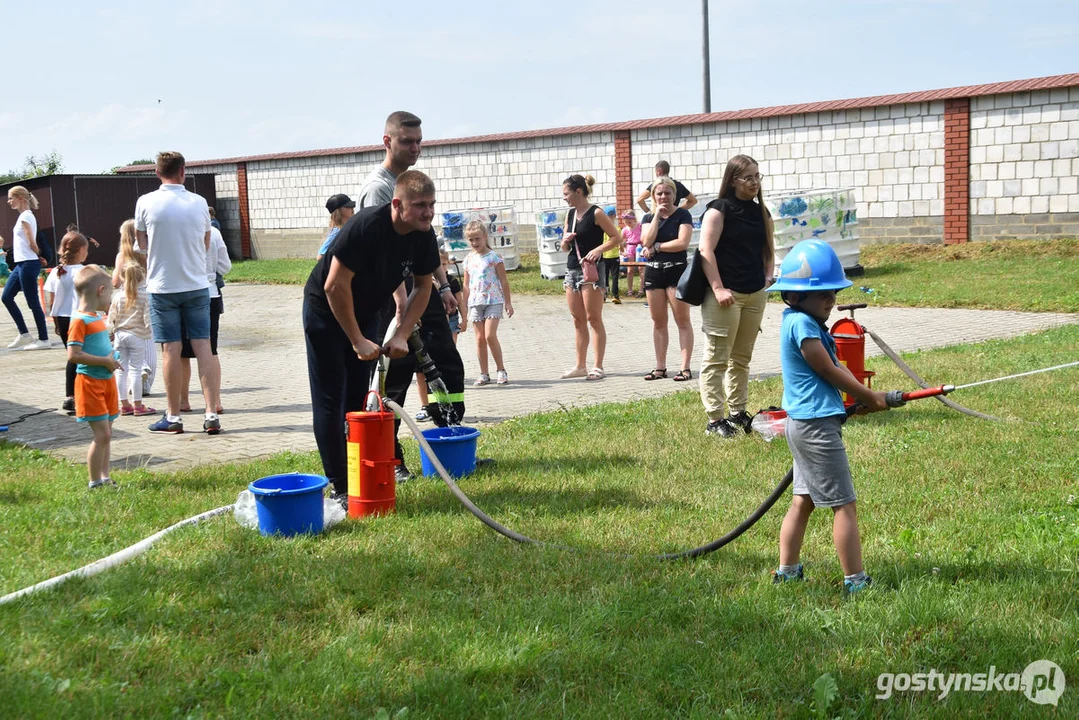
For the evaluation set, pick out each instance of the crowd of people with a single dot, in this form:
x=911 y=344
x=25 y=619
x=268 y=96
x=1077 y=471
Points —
x=167 y=276
x=381 y=282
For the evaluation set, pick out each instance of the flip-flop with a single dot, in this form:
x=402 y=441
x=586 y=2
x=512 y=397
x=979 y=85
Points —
x=596 y=374
x=574 y=373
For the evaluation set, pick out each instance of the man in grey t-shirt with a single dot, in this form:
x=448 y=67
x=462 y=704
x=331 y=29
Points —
x=402 y=138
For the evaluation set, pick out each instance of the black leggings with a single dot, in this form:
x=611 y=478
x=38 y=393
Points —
x=63 y=324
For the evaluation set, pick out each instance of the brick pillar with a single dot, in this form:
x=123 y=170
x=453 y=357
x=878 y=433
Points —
x=245 y=211
x=956 y=171
x=623 y=170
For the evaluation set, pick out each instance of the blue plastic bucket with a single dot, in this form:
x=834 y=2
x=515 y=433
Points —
x=455 y=448
x=289 y=504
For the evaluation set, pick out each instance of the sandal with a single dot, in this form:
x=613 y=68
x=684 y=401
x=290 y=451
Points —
x=574 y=373
x=657 y=374
x=596 y=374
x=127 y=410
x=683 y=375
x=143 y=411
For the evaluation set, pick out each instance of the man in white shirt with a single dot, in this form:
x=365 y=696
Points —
x=174 y=227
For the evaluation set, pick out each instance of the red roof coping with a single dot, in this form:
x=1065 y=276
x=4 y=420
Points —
x=1010 y=86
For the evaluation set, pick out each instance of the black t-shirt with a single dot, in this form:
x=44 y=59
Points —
x=589 y=235
x=668 y=230
x=681 y=192
x=740 y=250
x=380 y=258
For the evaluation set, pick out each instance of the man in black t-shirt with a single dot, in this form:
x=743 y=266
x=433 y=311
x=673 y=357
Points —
x=344 y=295
x=663 y=168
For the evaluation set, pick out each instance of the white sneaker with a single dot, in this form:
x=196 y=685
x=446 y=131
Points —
x=38 y=345
x=21 y=340
x=503 y=377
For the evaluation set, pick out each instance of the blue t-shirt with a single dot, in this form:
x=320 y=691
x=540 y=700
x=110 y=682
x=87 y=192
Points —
x=806 y=395
x=328 y=241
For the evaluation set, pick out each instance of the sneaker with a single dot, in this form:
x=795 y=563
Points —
x=423 y=416
x=402 y=475
x=483 y=379
x=502 y=377
x=340 y=498
x=38 y=345
x=69 y=405
x=164 y=426
x=94 y=484
x=616 y=300
x=721 y=428
x=853 y=588
x=779 y=578
x=20 y=340
x=211 y=426
x=146 y=381
x=741 y=421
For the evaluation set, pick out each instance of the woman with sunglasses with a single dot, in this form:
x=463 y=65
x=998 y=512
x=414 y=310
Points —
x=737 y=247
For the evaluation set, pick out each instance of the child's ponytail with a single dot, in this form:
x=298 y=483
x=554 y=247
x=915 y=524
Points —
x=133 y=276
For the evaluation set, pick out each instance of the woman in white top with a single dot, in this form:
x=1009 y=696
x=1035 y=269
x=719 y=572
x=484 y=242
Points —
x=25 y=271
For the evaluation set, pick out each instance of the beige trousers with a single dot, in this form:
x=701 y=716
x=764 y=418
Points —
x=730 y=333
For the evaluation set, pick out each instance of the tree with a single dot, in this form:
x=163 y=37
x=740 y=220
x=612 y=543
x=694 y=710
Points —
x=48 y=164
x=142 y=161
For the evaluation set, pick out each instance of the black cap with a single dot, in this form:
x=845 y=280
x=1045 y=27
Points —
x=339 y=201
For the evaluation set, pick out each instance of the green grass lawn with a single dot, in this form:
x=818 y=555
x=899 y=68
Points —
x=970 y=528
x=1006 y=275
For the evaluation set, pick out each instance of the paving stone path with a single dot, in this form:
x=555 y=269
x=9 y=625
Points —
x=267 y=402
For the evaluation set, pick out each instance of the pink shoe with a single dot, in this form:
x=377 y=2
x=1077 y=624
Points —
x=127 y=410
x=140 y=412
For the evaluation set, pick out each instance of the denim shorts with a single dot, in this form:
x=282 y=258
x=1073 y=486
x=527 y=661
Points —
x=479 y=313
x=168 y=309
x=455 y=322
x=575 y=277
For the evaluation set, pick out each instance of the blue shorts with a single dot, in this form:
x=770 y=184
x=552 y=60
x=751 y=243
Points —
x=168 y=309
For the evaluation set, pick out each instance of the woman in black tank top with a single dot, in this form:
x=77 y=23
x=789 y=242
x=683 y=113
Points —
x=665 y=236
x=584 y=240
x=737 y=251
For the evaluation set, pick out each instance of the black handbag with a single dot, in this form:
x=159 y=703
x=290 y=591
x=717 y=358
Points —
x=693 y=284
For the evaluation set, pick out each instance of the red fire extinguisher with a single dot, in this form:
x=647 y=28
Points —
x=849 y=338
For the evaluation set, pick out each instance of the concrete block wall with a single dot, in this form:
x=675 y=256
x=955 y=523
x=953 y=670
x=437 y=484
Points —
x=1024 y=164
x=287 y=196
x=980 y=162
x=893 y=157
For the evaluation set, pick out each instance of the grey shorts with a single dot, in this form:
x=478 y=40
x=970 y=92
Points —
x=821 y=469
x=479 y=313
x=574 y=276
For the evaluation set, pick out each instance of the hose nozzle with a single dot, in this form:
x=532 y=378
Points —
x=898 y=398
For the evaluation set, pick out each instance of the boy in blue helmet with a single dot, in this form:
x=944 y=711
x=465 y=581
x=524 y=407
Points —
x=812 y=381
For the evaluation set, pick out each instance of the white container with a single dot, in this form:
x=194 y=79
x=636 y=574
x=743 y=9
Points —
x=501 y=223
x=826 y=214
x=550 y=224
x=697 y=213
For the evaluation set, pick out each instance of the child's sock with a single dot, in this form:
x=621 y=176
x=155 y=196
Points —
x=855 y=579
x=211 y=416
x=789 y=569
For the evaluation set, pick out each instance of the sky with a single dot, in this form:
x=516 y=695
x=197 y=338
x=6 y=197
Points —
x=104 y=83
